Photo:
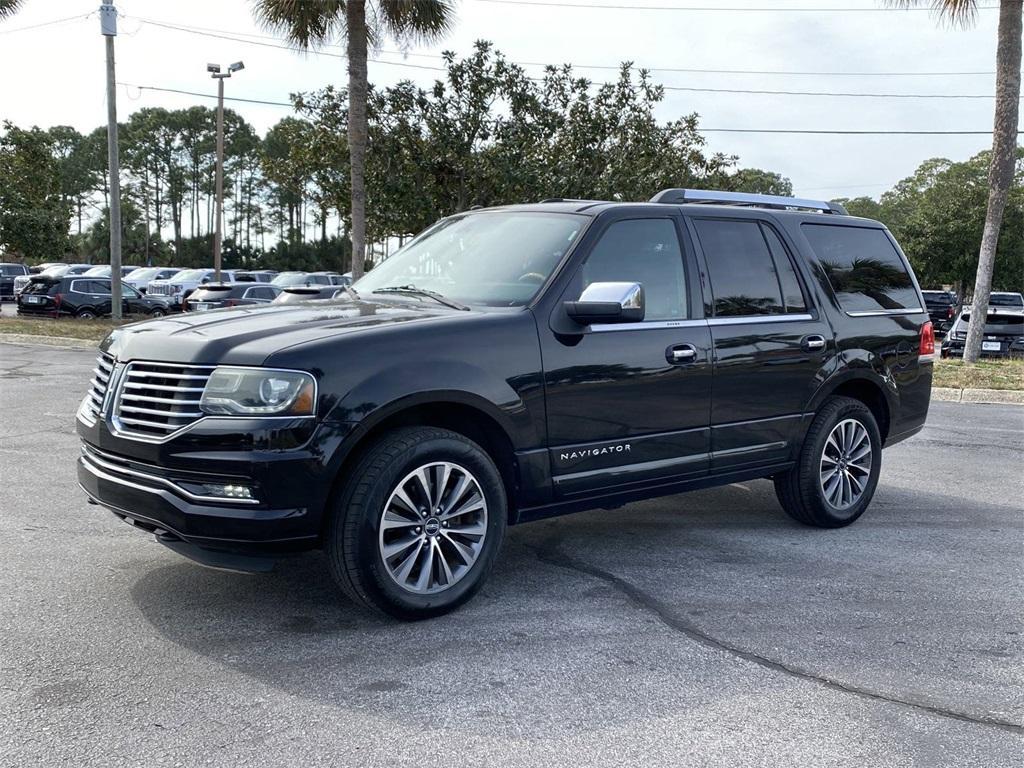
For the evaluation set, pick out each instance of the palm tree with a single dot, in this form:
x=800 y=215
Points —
x=8 y=7
x=310 y=23
x=1004 y=141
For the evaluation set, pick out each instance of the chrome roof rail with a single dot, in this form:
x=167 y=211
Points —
x=715 y=197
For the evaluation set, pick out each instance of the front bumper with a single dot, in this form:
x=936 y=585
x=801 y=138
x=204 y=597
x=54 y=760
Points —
x=289 y=490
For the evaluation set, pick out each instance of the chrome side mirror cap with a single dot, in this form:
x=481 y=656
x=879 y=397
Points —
x=608 y=303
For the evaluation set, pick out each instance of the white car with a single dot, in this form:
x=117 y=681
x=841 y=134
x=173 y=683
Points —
x=143 y=276
x=175 y=290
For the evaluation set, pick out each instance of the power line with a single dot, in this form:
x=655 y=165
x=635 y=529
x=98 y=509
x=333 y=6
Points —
x=711 y=9
x=614 y=67
x=207 y=95
x=45 y=24
x=691 y=89
x=701 y=130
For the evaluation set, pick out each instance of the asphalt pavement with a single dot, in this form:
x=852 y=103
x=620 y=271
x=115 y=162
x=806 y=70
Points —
x=701 y=629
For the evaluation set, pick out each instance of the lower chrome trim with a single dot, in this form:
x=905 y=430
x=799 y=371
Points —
x=883 y=312
x=96 y=465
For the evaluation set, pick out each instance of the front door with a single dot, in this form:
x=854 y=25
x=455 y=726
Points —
x=772 y=347
x=628 y=403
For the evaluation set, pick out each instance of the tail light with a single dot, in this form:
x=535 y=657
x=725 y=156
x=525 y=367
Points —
x=949 y=313
x=57 y=299
x=927 y=348
x=231 y=303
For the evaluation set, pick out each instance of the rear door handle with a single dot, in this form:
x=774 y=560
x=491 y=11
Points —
x=813 y=342
x=680 y=354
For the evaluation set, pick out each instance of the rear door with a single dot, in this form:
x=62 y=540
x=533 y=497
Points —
x=772 y=346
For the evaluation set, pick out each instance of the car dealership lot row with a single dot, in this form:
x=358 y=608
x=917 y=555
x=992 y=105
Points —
x=703 y=629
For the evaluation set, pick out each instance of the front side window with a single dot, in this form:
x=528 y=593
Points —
x=743 y=275
x=494 y=258
x=644 y=251
x=864 y=268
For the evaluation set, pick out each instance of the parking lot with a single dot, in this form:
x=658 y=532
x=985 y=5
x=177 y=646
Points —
x=697 y=629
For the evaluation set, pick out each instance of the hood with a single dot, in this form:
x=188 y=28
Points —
x=248 y=335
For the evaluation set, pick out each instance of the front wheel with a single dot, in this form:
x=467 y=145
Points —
x=837 y=471
x=157 y=313
x=418 y=524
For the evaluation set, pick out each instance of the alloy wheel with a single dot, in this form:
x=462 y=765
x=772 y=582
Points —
x=845 y=465
x=432 y=528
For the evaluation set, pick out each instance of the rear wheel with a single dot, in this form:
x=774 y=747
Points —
x=85 y=314
x=837 y=471
x=418 y=524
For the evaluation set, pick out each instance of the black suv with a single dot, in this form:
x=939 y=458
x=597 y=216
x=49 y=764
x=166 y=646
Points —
x=221 y=295
x=510 y=364
x=941 y=306
x=82 y=297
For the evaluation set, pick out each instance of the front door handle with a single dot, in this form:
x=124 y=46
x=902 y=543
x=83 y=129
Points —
x=813 y=342
x=681 y=353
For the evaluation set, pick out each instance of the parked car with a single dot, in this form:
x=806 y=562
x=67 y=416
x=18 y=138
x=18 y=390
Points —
x=941 y=306
x=511 y=364
x=255 y=276
x=141 y=277
x=8 y=272
x=81 y=296
x=300 y=293
x=38 y=269
x=55 y=270
x=175 y=290
x=103 y=270
x=1006 y=299
x=1004 y=334
x=220 y=295
x=291 y=279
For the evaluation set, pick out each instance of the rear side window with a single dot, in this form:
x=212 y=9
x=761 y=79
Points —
x=749 y=268
x=9 y=270
x=864 y=268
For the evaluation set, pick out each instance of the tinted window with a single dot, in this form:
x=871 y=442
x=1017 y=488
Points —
x=644 y=251
x=1005 y=300
x=741 y=269
x=11 y=269
x=99 y=286
x=792 y=294
x=864 y=268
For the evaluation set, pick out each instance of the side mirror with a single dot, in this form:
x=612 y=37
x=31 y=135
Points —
x=608 y=303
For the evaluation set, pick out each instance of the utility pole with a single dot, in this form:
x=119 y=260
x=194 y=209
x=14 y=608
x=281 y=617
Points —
x=218 y=216
x=108 y=27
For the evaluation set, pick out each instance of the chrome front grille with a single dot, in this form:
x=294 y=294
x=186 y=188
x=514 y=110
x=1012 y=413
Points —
x=157 y=399
x=98 y=384
x=156 y=289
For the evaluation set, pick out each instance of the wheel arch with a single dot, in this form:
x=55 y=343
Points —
x=462 y=412
x=876 y=393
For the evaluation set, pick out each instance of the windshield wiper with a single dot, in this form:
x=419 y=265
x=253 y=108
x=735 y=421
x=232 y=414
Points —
x=412 y=290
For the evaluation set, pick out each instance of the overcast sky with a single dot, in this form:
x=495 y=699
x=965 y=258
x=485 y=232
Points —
x=55 y=74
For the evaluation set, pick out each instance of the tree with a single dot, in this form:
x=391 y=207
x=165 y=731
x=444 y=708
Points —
x=760 y=182
x=33 y=211
x=1004 y=142
x=9 y=7
x=309 y=23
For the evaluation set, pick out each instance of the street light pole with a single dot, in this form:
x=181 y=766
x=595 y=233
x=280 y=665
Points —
x=216 y=74
x=108 y=27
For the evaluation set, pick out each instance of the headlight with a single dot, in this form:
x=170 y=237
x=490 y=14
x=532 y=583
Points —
x=256 y=392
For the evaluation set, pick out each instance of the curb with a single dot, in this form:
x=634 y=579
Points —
x=63 y=342
x=989 y=396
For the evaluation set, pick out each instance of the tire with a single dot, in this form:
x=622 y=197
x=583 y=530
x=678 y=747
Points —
x=808 y=492
x=157 y=313
x=369 y=564
x=85 y=314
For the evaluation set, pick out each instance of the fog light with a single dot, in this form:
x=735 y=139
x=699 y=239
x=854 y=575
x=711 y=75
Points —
x=228 y=491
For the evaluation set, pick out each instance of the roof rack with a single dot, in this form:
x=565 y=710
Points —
x=714 y=197
x=568 y=200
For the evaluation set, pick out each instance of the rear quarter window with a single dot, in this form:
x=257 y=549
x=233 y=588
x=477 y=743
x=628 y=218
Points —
x=864 y=268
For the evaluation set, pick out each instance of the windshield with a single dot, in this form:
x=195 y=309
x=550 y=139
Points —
x=189 y=275
x=1006 y=300
x=143 y=273
x=498 y=259
x=286 y=279
x=98 y=272
x=55 y=271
